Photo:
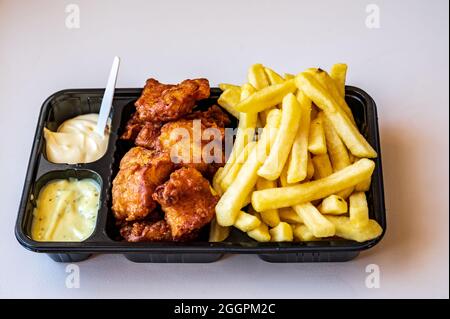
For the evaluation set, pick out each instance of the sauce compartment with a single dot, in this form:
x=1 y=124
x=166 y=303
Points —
x=78 y=174
x=63 y=107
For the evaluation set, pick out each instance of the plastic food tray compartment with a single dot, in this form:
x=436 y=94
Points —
x=66 y=104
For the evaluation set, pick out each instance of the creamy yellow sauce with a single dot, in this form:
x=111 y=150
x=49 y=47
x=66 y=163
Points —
x=76 y=141
x=66 y=210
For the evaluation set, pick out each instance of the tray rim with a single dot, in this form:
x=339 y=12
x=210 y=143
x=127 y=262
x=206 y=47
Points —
x=193 y=247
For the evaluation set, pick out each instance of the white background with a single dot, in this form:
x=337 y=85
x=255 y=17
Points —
x=403 y=65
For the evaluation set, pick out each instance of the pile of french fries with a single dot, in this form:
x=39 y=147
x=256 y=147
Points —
x=304 y=176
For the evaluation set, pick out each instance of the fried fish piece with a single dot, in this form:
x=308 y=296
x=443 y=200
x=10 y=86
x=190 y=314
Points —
x=189 y=145
x=151 y=231
x=138 y=156
x=146 y=231
x=133 y=127
x=212 y=117
x=177 y=139
x=166 y=102
x=141 y=171
x=187 y=201
x=148 y=136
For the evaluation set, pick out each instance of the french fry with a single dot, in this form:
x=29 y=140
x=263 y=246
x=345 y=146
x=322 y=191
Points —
x=298 y=159
x=333 y=205
x=345 y=229
x=264 y=145
x=337 y=152
x=359 y=211
x=314 y=220
x=229 y=99
x=346 y=192
x=310 y=168
x=282 y=232
x=216 y=181
x=246 y=90
x=213 y=191
x=336 y=149
x=266 y=97
x=289 y=76
x=247 y=200
x=352 y=157
x=306 y=192
x=247 y=122
x=218 y=233
x=283 y=178
x=229 y=177
x=274 y=77
x=245 y=132
x=279 y=152
x=257 y=77
x=303 y=233
x=364 y=186
x=316 y=141
x=338 y=73
x=261 y=233
x=229 y=205
x=246 y=222
x=331 y=87
x=347 y=131
x=263 y=115
x=226 y=86
x=322 y=166
x=288 y=215
x=270 y=217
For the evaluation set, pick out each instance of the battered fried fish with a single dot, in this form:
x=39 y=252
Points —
x=151 y=231
x=190 y=144
x=212 y=117
x=133 y=127
x=187 y=201
x=148 y=136
x=141 y=171
x=165 y=102
x=146 y=231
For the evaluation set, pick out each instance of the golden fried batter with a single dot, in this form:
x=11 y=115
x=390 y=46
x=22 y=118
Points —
x=190 y=150
x=146 y=231
x=148 y=136
x=151 y=231
x=165 y=102
x=137 y=156
x=141 y=171
x=212 y=117
x=187 y=201
x=133 y=127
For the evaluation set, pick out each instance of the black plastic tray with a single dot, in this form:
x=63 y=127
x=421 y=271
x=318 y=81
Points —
x=69 y=103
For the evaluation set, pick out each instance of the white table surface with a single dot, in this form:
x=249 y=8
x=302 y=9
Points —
x=403 y=65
